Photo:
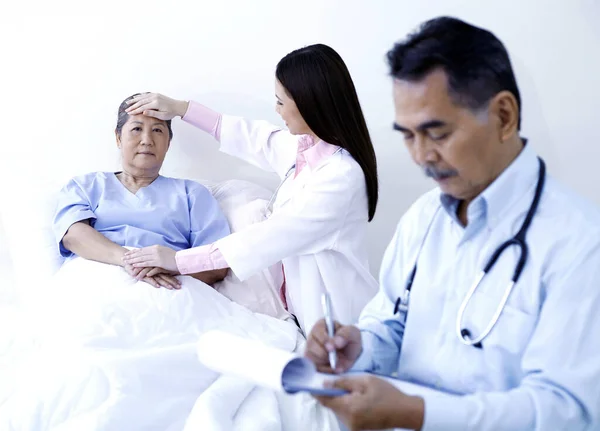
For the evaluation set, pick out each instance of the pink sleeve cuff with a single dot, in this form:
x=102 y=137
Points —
x=200 y=259
x=204 y=118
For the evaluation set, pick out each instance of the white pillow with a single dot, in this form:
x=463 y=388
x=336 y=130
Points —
x=243 y=204
x=235 y=193
x=259 y=293
x=27 y=218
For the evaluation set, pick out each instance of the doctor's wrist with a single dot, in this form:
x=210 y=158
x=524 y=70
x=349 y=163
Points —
x=181 y=107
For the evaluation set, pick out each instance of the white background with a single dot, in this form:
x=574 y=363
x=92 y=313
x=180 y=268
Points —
x=65 y=70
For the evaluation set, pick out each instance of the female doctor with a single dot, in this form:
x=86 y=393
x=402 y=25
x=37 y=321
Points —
x=316 y=223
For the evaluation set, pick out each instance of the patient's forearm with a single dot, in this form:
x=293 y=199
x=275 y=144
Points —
x=211 y=277
x=87 y=242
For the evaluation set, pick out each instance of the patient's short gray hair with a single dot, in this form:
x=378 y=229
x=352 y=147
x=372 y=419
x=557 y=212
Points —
x=123 y=116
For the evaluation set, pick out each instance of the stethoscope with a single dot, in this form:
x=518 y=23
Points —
x=463 y=334
x=268 y=211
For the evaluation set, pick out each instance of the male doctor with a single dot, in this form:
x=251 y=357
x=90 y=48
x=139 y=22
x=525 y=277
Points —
x=532 y=363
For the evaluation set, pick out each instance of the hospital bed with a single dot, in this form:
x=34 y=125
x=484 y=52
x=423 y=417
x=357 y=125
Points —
x=74 y=379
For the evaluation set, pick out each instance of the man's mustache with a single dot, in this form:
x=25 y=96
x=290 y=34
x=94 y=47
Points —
x=438 y=174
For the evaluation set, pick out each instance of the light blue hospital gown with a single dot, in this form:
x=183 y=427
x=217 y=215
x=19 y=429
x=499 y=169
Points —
x=176 y=213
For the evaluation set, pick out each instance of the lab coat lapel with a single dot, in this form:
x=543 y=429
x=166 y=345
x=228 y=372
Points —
x=290 y=187
x=295 y=184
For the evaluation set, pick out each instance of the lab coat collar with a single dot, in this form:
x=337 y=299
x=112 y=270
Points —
x=506 y=190
x=311 y=153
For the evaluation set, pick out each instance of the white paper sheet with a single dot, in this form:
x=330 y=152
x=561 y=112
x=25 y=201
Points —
x=249 y=359
x=273 y=368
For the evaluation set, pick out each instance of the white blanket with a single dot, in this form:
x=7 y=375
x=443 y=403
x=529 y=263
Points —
x=115 y=354
x=220 y=408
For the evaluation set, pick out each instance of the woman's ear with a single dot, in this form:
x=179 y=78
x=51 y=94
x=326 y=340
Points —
x=118 y=138
x=504 y=106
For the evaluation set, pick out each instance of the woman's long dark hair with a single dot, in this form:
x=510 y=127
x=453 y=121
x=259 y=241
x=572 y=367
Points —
x=318 y=81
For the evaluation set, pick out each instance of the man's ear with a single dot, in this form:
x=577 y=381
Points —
x=504 y=106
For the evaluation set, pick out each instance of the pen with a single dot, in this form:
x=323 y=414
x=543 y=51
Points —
x=326 y=302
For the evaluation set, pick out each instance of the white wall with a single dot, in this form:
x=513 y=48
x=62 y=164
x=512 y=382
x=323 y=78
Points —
x=68 y=72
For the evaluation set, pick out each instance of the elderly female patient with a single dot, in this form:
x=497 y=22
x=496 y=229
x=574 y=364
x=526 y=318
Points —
x=99 y=214
x=115 y=354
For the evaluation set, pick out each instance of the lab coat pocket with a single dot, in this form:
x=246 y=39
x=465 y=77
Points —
x=512 y=330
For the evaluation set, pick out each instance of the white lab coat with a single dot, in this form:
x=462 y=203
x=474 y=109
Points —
x=317 y=229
